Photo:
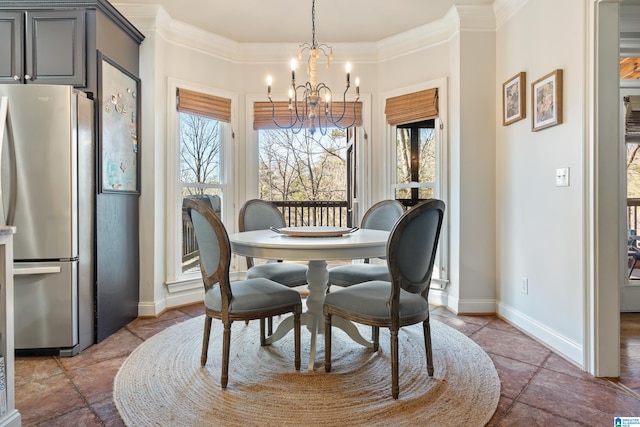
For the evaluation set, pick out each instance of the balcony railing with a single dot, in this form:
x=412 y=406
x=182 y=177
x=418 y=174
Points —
x=315 y=213
x=296 y=214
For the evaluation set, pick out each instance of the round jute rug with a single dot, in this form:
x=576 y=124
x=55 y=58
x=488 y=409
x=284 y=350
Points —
x=162 y=383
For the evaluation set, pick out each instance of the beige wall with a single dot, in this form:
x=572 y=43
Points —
x=540 y=227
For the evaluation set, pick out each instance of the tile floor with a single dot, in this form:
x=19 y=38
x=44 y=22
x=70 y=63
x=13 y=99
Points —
x=539 y=388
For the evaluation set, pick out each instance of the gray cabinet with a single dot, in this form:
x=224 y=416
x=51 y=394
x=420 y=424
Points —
x=11 y=47
x=43 y=47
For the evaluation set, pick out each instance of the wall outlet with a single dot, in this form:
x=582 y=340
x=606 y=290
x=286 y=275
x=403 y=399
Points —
x=524 y=285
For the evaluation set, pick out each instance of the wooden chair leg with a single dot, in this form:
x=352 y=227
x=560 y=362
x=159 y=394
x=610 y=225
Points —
x=426 y=326
x=205 y=340
x=226 y=347
x=270 y=326
x=262 y=337
x=296 y=336
x=395 y=388
x=327 y=342
x=375 y=337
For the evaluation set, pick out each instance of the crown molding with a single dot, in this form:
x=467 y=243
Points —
x=459 y=18
x=504 y=10
x=416 y=39
x=474 y=17
x=150 y=17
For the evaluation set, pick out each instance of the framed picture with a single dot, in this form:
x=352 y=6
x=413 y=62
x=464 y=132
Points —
x=119 y=132
x=514 y=99
x=546 y=101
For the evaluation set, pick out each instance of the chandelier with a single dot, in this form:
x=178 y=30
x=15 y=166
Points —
x=311 y=104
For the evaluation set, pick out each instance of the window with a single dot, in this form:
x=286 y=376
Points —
x=305 y=174
x=418 y=153
x=200 y=149
x=415 y=162
x=308 y=175
x=413 y=117
x=197 y=164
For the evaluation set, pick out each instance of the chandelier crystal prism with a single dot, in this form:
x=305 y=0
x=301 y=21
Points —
x=311 y=104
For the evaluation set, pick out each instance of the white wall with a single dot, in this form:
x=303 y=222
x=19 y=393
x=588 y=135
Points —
x=540 y=227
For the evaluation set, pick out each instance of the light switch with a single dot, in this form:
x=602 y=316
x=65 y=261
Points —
x=562 y=177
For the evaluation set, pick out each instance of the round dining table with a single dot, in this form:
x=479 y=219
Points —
x=316 y=250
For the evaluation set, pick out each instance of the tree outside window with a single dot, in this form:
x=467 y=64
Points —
x=200 y=154
x=415 y=162
x=302 y=167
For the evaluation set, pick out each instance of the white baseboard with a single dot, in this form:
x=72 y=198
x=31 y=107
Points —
x=552 y=339
x=179 y=294
x=471 y=306
x=185 y=298
x=151 y=309
x=438 y=297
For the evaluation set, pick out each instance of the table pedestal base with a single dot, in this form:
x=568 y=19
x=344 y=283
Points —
x=317 y=277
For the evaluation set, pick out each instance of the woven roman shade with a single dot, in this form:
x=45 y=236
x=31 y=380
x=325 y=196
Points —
x=263 y=119
x=412 y=107
x=202 y=104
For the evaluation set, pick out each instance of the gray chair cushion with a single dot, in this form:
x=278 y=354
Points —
x=350 y=274
x=371 y=299
x=289 y=274
x=253 y=294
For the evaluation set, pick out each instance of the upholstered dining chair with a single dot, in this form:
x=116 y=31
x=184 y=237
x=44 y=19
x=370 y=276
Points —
x=249 y=299
x=257 y=214
x=381 y=216
x=411 y=251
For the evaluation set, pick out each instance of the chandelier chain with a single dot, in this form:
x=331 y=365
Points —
x=313 y=24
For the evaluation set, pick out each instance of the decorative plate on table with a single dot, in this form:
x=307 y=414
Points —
x=318 y=231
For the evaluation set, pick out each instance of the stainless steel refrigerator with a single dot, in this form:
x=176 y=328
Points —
x=48 y=194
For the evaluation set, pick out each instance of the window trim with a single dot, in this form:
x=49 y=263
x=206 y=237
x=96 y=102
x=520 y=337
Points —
x=174 y=277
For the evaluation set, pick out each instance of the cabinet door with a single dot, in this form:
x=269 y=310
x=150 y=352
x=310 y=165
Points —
x=55 y=47
x=11 y=45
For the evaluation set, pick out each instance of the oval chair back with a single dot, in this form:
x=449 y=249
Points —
x=213 y=246
x=412 y=246
x=257 y=214
x=383 y=215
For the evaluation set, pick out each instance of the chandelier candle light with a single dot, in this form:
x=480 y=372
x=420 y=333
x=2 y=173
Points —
x=315 y=110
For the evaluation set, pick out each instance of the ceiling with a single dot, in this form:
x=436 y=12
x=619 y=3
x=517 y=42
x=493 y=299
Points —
x=345 y=21
x=289 y=21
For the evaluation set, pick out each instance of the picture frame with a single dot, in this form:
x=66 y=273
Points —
x=546 y=101
x=514 y=94
x=119 y=128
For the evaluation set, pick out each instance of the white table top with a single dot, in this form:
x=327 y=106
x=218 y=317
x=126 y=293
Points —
x=268 y=244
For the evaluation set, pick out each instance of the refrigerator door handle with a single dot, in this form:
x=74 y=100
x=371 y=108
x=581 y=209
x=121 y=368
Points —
x=5 y=128
x=23 y=271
